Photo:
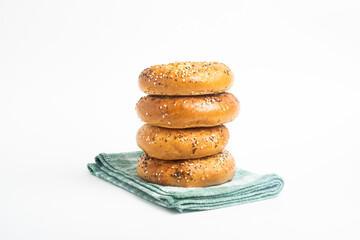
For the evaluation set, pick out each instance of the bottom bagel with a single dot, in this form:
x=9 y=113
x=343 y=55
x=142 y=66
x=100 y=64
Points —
x=201 y=172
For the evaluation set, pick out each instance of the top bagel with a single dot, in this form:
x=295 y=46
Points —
x=186 y=78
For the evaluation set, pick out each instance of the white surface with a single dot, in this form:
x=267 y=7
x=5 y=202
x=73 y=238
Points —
x=68 y=75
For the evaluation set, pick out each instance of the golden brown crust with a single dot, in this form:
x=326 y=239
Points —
x=186 y=78
x=172 y=144
x=188 y=111
x=201 y=172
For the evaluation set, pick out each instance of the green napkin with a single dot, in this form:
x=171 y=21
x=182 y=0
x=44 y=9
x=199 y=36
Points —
x=120 y=169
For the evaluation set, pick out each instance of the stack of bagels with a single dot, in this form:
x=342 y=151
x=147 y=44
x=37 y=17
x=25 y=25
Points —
x=184 y=138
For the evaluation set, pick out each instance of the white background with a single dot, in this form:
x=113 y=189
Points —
x=68 y=89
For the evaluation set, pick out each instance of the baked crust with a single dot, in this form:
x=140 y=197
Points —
x=172 y=144
x=202 y=172
x=188 y=111
x=186 y=78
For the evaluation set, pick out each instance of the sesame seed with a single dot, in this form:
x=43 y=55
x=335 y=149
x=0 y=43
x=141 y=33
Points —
x=168 y=122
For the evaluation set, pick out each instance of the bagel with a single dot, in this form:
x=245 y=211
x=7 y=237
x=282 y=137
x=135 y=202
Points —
x=202 y=172
x=186 y=78
x=171 y=144
x=188 y=111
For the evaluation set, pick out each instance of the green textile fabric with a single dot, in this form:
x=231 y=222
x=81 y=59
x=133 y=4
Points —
x=120 y=169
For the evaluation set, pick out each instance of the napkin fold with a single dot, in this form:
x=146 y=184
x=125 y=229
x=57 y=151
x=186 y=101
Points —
x=120 y=169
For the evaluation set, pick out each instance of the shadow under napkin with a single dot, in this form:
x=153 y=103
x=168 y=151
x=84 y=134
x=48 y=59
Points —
x=120 y=169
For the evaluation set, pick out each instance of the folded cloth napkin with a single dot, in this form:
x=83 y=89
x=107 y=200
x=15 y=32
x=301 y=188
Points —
x=120 y=169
